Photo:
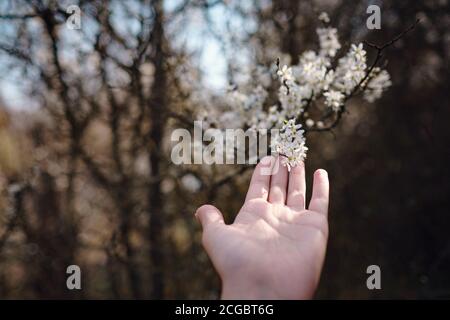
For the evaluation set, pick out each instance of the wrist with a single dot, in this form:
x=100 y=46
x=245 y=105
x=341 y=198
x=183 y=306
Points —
x=247 y=290
x=253 y=289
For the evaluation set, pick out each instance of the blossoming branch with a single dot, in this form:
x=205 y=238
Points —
x=318 y=80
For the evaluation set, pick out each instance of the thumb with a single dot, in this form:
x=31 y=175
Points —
x=209 y=215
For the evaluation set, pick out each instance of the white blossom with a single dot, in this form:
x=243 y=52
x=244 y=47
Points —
x=191 y=182
x=323 y=16
x=309 y=123
x=377 y=85
x=334 y=99
x=292 y=101
x=285 y=74
x=351 y=69
x=358 y=51
x=311 y=72
x=290 y=144
x=244 y=108
x=328 y=39
x=274 y=117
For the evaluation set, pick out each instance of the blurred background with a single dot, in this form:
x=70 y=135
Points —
x=85 y=123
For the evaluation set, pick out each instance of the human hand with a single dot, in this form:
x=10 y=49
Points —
x=275 y=248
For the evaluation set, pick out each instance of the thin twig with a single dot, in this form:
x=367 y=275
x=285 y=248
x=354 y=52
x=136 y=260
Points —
x=365 y=80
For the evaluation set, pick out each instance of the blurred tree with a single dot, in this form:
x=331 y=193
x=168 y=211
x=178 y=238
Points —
x=87 y=179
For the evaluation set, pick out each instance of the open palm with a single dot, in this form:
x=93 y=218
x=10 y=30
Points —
x=275 y=248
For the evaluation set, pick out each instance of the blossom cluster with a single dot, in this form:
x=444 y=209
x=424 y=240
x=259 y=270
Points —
x=290 y=144
x=320 y=78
